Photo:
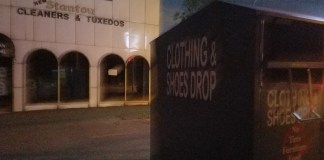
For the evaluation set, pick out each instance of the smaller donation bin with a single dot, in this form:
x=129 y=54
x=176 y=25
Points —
x=238 y=82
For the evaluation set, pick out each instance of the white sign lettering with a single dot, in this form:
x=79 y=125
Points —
x=281 y=103
x=191 y=73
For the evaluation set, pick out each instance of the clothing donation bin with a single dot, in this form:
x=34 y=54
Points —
x=239 y=82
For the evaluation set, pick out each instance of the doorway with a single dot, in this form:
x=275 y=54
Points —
x=137 y=91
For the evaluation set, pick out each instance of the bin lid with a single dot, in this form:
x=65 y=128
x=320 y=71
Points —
x=305 y=10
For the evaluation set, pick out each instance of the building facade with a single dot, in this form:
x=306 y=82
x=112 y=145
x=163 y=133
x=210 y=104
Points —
x=57 y=54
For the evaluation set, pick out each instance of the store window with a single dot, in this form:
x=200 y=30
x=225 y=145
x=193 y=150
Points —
x=74 y=78
x=7 y=53
x=6 y=57
x=5 y=82
x=41 y=77
x=112 y=82
x=137 y=79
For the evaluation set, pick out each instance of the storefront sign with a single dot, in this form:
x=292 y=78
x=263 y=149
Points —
x=62 y=11
x=65 y=8
x=69 y=8
x=42 y=13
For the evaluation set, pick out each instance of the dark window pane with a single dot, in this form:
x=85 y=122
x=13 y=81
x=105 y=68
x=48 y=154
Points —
x=41 y=82
x=5 y=82
x=74 y=78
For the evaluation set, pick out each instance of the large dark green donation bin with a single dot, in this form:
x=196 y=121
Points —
x=239 y=82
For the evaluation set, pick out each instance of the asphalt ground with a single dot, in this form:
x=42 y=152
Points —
x=114 y=133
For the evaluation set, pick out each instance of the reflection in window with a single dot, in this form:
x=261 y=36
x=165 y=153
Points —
x=74 y=78
x=41 y=72
x=137 y=79
x=112 y=82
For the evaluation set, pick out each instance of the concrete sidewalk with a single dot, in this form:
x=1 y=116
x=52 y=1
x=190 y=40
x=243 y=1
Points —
x=121 y=133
